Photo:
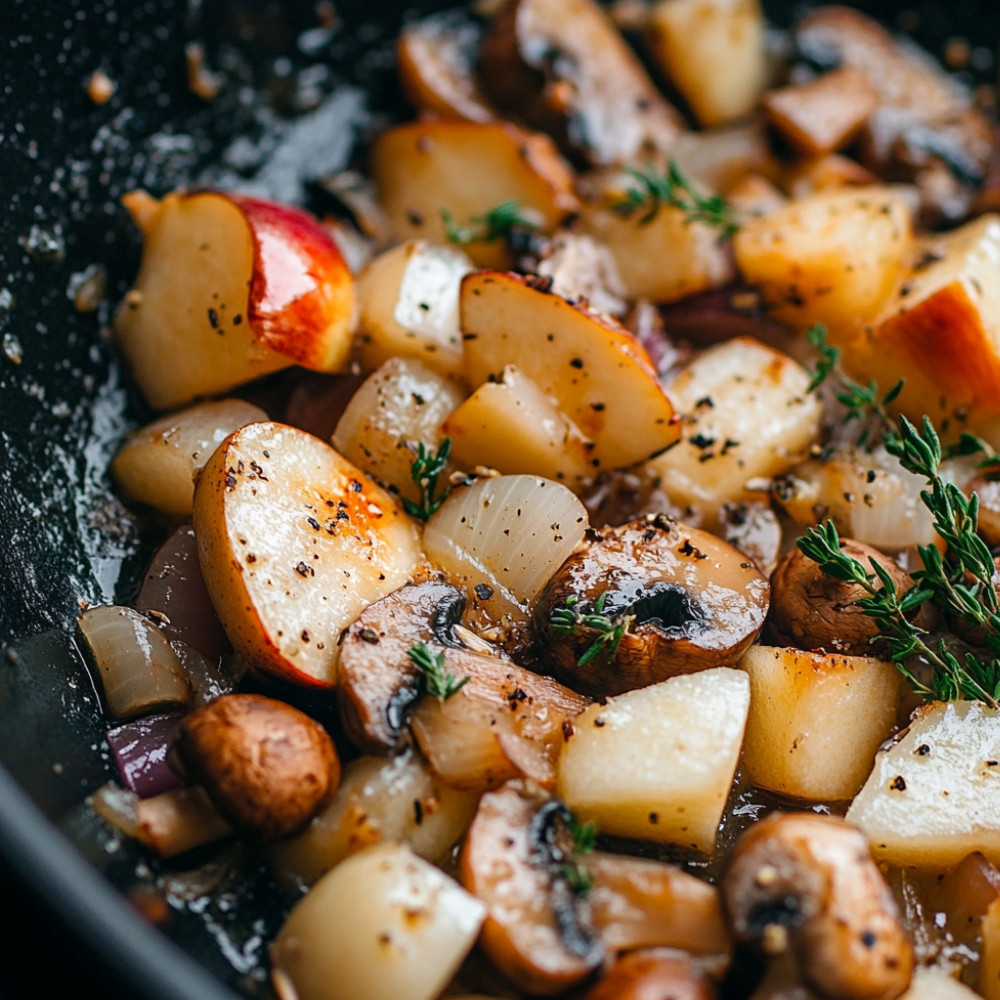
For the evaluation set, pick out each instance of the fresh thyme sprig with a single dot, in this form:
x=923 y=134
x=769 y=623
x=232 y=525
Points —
x=566 y=618
x=436 y=681
x=496 y=224
x=864 y=403
x=426 y=470
x=584 y=840
x=960 y=580
x=673 y=188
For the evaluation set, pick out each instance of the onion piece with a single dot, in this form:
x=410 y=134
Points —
x=503 y=538
x=171 y=823
x=139 y=673
x=140 y=748
x=159 y=463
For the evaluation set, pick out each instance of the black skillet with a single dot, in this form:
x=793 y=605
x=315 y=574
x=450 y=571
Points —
x=64 y=161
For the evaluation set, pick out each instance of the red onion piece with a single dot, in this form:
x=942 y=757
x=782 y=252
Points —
x=721 y=314
x=140 y=748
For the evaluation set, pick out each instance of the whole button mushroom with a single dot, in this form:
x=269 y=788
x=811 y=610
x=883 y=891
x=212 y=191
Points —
x=805 y=885
x=810 y=610
x=645 y=601
x=266 y=766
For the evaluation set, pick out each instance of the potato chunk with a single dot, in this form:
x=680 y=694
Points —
x=746 y=413
x=467 y=169
x=934 y=796
x=713 y=51
x=832 y=257
x=383 y=925
x=816 y=720
x=657 y=763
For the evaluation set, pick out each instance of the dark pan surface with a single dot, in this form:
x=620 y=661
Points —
x=294 y=103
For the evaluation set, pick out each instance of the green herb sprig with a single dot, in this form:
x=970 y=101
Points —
x=496 y=224
x=437 y=681
x=426 y=470
x=960 y=580
x=584 y=840
x=567 y=619
x=864 y=403
x=672 y=188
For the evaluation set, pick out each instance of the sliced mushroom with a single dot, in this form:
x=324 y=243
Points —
x=806 y=884
x=680 y=599
x=653 y=975
x=267 y=767
x=565 y=67
x=810 y=610
x=377 y=680
x=537 y=928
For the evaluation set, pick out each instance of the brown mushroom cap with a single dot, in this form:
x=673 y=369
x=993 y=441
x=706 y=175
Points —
x=266 y=766
x=377 y=681
x=653 y=975
x=810 y=610
x=697 y=602
x=806 y=884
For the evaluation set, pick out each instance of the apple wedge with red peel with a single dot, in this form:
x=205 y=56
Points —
x=230 y=288
x=294 y=542
x=597 y=372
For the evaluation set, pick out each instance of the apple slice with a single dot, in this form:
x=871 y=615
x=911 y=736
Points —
x=230 y=288
x=600 y=375
x=294 y=542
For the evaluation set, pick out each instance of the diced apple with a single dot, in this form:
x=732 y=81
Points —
x=597 y=371
x=510 y=425
x=657 y=763
x=422 y=169
x=158 y=464
x=714 y=53
x=832 y=257
x=663 y=258
x=230 y=288
x=746 y=414
x=934 y=795
x=408 y=298
x=294 y=542
x=941 y=332
x=816 y=720
x=397 y=408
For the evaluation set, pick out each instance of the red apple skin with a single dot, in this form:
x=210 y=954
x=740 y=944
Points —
x=301 y=300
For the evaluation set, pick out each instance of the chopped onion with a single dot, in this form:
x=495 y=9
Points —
x=140 y=748
x=504 y=537
x=138 y=671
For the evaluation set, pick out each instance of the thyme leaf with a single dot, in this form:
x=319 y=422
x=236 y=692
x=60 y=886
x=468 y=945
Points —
x=864 y=403
x=496 y=224
x=584 y=840
x=960 y=580
x=437 y=681
x=672 y=188
x=567 y=619
x=426 y=470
